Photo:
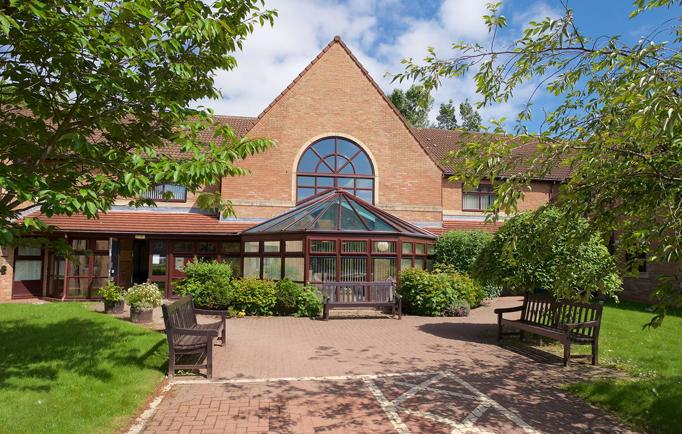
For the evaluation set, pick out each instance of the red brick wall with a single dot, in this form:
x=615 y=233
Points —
x=6 y=260
x=540 y=194
x=334 y=97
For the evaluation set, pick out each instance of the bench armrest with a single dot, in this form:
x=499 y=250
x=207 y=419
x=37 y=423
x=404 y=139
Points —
x=194 y=332
x=501 y=310
x=221 y=313
x=579 y=325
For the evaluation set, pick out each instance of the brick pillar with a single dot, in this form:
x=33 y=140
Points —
x=6 y=272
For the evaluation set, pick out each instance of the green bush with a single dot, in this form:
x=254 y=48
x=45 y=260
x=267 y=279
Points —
x=288 y=293
x=468 y=289
x=426 y=293
x=548 y=249
x=254 y=296
x=111 y=293
x=457 y=250
x=308 y=303
x=209 y=283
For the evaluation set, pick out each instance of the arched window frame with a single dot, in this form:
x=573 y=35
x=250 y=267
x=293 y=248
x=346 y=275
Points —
x=362 y=184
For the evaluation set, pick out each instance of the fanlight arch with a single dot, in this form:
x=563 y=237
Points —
x=335 y=162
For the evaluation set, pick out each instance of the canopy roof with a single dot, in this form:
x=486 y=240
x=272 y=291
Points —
x=337 y=210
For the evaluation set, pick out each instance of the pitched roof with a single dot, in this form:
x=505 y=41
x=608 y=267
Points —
x=144 y=222
x=337 y=210
x=439 y=143
x=337 y=40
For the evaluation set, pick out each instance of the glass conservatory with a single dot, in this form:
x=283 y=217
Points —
x=334 y=236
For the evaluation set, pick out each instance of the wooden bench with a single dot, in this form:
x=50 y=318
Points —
x=566 y=322
x=186 y=336
x=346 y=295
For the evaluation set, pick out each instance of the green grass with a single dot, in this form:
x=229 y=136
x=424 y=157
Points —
x=66 y=369
x=652 y=399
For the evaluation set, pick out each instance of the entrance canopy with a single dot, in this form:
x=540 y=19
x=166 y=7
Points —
x=336 y=210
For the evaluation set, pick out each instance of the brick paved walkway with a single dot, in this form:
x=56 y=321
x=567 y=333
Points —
x=288 y=375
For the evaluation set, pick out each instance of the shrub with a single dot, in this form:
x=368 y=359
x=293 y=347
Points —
x=288 y=293
x=254 y=296
x=548 y=249
x=426 y=293
x=457 y=250
x=111 y=293
x=308 y=303
x=468 y=289
x=143 y=296
x=209 y=283
x=458 y=308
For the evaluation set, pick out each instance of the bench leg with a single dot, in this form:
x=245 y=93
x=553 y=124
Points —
x=209 y=359
x=595 y=350
x=567 y=353
x=325 y=314
x=171 y=362
x=499 y=327
x=400 y=309
x=223 y=334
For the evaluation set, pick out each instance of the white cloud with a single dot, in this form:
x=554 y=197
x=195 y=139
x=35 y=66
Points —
x=272 y=57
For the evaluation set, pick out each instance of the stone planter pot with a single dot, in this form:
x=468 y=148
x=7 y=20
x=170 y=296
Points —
x=141 y=315
x=114 y=306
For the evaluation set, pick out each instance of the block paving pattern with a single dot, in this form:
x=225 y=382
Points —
x=378 y=375
x=435 y=402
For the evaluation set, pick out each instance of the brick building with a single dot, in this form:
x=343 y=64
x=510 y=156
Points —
x=335 y=131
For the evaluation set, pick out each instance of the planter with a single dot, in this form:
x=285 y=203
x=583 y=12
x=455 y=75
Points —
x=114 y=306
x=141 y=315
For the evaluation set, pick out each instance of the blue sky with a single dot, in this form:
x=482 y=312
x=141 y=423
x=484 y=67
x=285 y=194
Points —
x=382 y=32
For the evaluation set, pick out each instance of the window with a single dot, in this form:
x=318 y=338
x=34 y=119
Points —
x=293 y=268
x=322 y=269
x=167 y=193
x=384 y=268
x=323 y=246
x=271 y=246
x=272 y=268
x=478 y=199
x=251 y=267
x=251 y=246
x=383 y=247
x=294 y=246
x=335 y=162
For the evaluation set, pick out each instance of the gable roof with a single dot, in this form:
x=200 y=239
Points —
x=439 y=143
x=337 y=40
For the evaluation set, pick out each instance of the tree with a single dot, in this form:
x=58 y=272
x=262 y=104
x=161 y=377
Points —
x=414 y=104
x=447 y=118
x=95 y=102
x=471 y=120
x=457 y=250
x=618 y=126
x=548 y=249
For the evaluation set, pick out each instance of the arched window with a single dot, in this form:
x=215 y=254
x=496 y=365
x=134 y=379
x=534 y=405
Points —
x=335 y=162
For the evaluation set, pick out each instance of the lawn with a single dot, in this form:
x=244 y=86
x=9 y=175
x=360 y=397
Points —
x=66 y=369
x=652 y=400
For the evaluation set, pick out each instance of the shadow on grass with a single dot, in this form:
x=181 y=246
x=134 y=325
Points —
x=650 y=403
x=40 y=351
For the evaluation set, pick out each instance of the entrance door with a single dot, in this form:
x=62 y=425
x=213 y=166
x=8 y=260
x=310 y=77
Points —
x=140 y=260
x=28 y=272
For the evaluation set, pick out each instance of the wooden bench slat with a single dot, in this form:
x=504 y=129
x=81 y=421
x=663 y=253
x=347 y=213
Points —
x=186 y=336
x=542 y=315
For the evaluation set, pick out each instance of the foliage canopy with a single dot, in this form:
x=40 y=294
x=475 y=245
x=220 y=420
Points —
x=96 y=102
x=551 y=250
x=618 y=125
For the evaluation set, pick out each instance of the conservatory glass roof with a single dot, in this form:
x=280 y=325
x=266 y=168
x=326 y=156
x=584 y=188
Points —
x=337 y=210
